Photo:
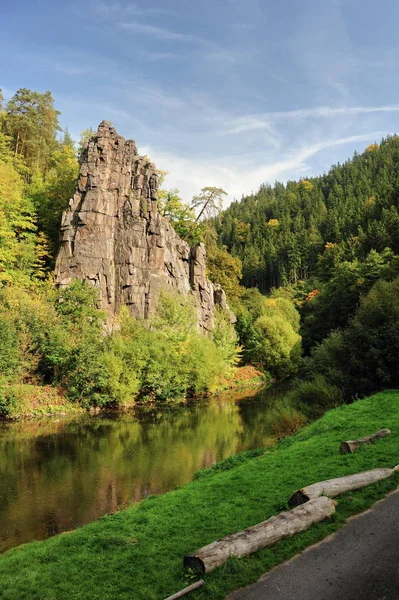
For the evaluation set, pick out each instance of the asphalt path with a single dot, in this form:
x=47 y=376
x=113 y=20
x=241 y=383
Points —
x=359 y=562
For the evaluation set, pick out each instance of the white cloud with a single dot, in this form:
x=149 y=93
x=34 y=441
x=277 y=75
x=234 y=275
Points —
x=70 y=69
x=161 y=55
x=266 y=120
x=190 y=175
x=158 y=32
x=155 y=95
x=109 y=9
x=211 y=51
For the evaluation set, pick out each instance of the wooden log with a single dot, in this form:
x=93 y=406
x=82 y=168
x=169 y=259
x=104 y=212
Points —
x=352 y=445
x=259 y=536
x=334 y=487
x=190 y=588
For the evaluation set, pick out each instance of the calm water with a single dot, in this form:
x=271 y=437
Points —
x=57 y=475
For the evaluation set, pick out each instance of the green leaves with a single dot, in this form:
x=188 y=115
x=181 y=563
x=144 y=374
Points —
x=292 y=232
x=22 y=250
x=268 y=329
x=32 y=122
x=166 y=357
x=181 y=216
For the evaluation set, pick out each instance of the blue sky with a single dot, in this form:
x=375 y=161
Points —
x=230 y=93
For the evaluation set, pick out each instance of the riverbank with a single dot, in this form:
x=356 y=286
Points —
x=137 y=553
x=79 y=468
x=28 y=401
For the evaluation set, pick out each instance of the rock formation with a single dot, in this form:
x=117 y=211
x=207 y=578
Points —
x=113 y=236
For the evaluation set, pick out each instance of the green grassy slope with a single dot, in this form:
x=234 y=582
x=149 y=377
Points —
x=138 y=553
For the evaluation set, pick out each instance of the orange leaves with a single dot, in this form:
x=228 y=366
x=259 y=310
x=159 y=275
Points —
x=312 y=295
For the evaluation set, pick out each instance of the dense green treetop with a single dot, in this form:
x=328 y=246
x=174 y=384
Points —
x=286 y=233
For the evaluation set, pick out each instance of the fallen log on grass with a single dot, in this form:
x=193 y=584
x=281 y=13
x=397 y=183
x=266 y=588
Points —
x=334 y=487
x=190 y=588
x=259 y=536
x=352 y=445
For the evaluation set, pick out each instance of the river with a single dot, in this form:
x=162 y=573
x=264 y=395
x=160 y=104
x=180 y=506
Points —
x=58 y=474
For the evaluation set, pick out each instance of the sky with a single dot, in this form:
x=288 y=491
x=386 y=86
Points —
x=226 y=93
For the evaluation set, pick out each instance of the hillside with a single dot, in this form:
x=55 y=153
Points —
x=287 y=233
x=330 y=245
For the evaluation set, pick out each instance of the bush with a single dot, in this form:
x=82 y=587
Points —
x=268 y=329
x=372 y=341
x=166 y=357
x=276 y=346
x=81 y=369
x=8 y=400
x=328 y=359
x=314 y=397
x=10 y=362
x=206 y=365
x=59 y=338
x=225 y=337
x=284 y=308
x=287 y=421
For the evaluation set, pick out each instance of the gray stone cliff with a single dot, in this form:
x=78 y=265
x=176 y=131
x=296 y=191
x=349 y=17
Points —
x=113 y=236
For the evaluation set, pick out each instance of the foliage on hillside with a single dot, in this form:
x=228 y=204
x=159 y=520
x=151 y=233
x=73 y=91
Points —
x=330 y=244
x=57 y=338
x=325 y=249
x=291 y=232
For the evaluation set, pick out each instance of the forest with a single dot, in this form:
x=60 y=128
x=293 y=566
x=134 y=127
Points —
x=329 y=245
x=310 y=269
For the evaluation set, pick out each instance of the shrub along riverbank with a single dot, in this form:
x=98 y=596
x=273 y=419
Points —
x=29 y=401
x=138 y=553
x=57 y=339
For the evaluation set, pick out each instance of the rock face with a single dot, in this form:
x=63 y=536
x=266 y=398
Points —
x=113 y=236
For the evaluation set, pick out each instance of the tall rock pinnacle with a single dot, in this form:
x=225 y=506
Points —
x=113 y=236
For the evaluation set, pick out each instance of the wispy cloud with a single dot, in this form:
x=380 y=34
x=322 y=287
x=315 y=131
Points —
x=151 y=95
x=109 y=9
x=210 y=51
x=266 y=120
x=323 y=49
x=161 y=55
x=70 y=69
x=158 y=32
x=233 y=174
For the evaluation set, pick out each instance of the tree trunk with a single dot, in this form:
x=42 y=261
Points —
x=16 y=144
x=260 y=536
x=334 y=487
x=352 y=445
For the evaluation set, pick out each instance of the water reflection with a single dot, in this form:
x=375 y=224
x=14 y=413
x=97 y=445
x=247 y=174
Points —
x=55 y=476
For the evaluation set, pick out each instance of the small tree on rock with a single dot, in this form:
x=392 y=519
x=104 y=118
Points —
x=209 y=202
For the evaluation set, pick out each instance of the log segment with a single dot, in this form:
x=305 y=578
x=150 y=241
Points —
x=260 y=536
x=187 y=590
x=334 y=487
x=351 y=446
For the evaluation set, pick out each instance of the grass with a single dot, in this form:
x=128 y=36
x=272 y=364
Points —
x=137 y=553
x=244 y=377
x=30 y=401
